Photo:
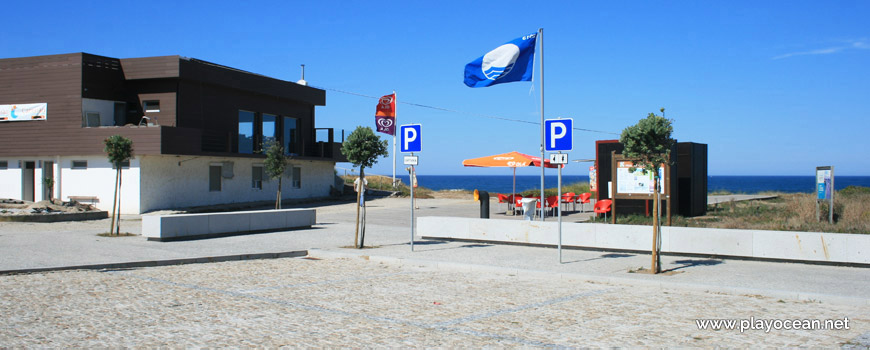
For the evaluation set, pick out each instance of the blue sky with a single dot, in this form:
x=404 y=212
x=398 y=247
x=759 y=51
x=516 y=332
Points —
x=774 y=88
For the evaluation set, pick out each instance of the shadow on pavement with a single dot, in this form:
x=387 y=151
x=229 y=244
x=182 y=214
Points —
x=604 y=256
x=693 y=263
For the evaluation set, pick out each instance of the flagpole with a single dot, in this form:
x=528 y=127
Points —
x=541 y=57
x=395 y=123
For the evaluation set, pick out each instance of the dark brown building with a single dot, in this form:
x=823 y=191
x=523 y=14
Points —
x=197 y=130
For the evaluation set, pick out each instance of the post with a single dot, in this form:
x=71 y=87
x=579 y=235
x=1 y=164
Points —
x=830 y=204
x=541 y=57
x=559 y=207
x=411 y=181
x=395 y=124
x=655 y=227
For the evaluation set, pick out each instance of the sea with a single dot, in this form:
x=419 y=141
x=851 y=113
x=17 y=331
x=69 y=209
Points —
x=733 y=184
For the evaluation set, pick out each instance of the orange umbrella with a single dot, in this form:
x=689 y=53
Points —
x=512 y=160
x=508 y=160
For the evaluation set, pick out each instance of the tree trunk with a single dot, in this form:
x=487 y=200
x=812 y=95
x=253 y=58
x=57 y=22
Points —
x=278 y=200
x=362 y=231
x=118 y=222
x=655 y=266
x=114 y=203
x=356 y=230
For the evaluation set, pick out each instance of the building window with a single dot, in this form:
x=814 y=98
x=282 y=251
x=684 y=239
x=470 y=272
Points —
x=152 y=106
x=270 y=126
x=257 y=177
x=290 y=136
x=91 y=119
x=4 y=164
x=246 y=132
x=214 y=178
x=124 y=165
x=79 y=164
x=297 y=177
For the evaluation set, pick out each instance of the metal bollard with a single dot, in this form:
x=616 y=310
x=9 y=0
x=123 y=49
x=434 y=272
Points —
x=483 y=197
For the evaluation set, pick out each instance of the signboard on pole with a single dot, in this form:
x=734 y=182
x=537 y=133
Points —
x=559 y=134
x=825 y=190
x=824 y=180
x=636 y=182
x=593 y=179
x=558 y=158
x=410 y=134
x=411 y=160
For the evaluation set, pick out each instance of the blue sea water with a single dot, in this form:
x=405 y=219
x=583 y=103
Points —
x=734 y=184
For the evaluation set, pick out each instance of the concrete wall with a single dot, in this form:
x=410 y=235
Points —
x=168 y=227
x=786 y=245
x=183 y=181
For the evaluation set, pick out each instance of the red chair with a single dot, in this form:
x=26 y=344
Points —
x=602 y=207
x=552 y=203
x=516 y=201
x=583 y=199
x=569 y=198
x=502 y=198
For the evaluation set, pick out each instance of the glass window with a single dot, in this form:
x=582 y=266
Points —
x=297 y=177
x=151 y=106
x=4 y=164
x=270 y=125
x=214 y=178
x=246 y=132
x=290 y=136
x=79 y=164
x=257 y=177
x=91 y=119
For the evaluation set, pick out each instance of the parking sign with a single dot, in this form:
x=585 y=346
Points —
x=559 y=135
x=410 y=138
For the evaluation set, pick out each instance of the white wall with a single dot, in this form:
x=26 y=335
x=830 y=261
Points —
x=183 y=181
x=104 y=107
x=99 y=180
x=10 y=180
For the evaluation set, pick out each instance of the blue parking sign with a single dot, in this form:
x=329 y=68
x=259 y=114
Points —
x=559 y=134
x=410 y=138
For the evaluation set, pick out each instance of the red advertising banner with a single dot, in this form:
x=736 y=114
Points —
x=387 y=106
x=385 y=116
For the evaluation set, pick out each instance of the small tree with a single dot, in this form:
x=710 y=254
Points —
x=362 y=148
x=275 y=165
x=119 y=149
x=648 y=144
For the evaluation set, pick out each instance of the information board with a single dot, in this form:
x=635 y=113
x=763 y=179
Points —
x=636 y=182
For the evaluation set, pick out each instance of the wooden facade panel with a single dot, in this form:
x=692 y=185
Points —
x=150 y=67
x=167 y=101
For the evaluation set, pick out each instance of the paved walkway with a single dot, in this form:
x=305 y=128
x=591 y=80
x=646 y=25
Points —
x=468 y=294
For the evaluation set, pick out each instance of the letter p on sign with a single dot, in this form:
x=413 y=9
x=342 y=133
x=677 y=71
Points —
x=410 y=138
x=559 y=135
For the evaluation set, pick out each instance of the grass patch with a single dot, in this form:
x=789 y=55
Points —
x=787 y=212
x=385 y=183
x=576 y=187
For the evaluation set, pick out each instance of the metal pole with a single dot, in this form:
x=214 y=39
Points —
x=559 y=199
x=830 y=204
x=395 y=122
x=411 y=181
x=541 y=57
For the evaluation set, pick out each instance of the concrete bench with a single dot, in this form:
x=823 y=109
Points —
x=192 y=226
x=83 y=199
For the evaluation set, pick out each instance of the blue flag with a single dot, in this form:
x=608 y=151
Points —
x=513 y=61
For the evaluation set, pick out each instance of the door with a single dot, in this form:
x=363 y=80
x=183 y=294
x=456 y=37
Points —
x=27 y=181
x=47 y=180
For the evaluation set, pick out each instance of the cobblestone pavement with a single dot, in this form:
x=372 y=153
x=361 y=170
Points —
x=340 y=302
